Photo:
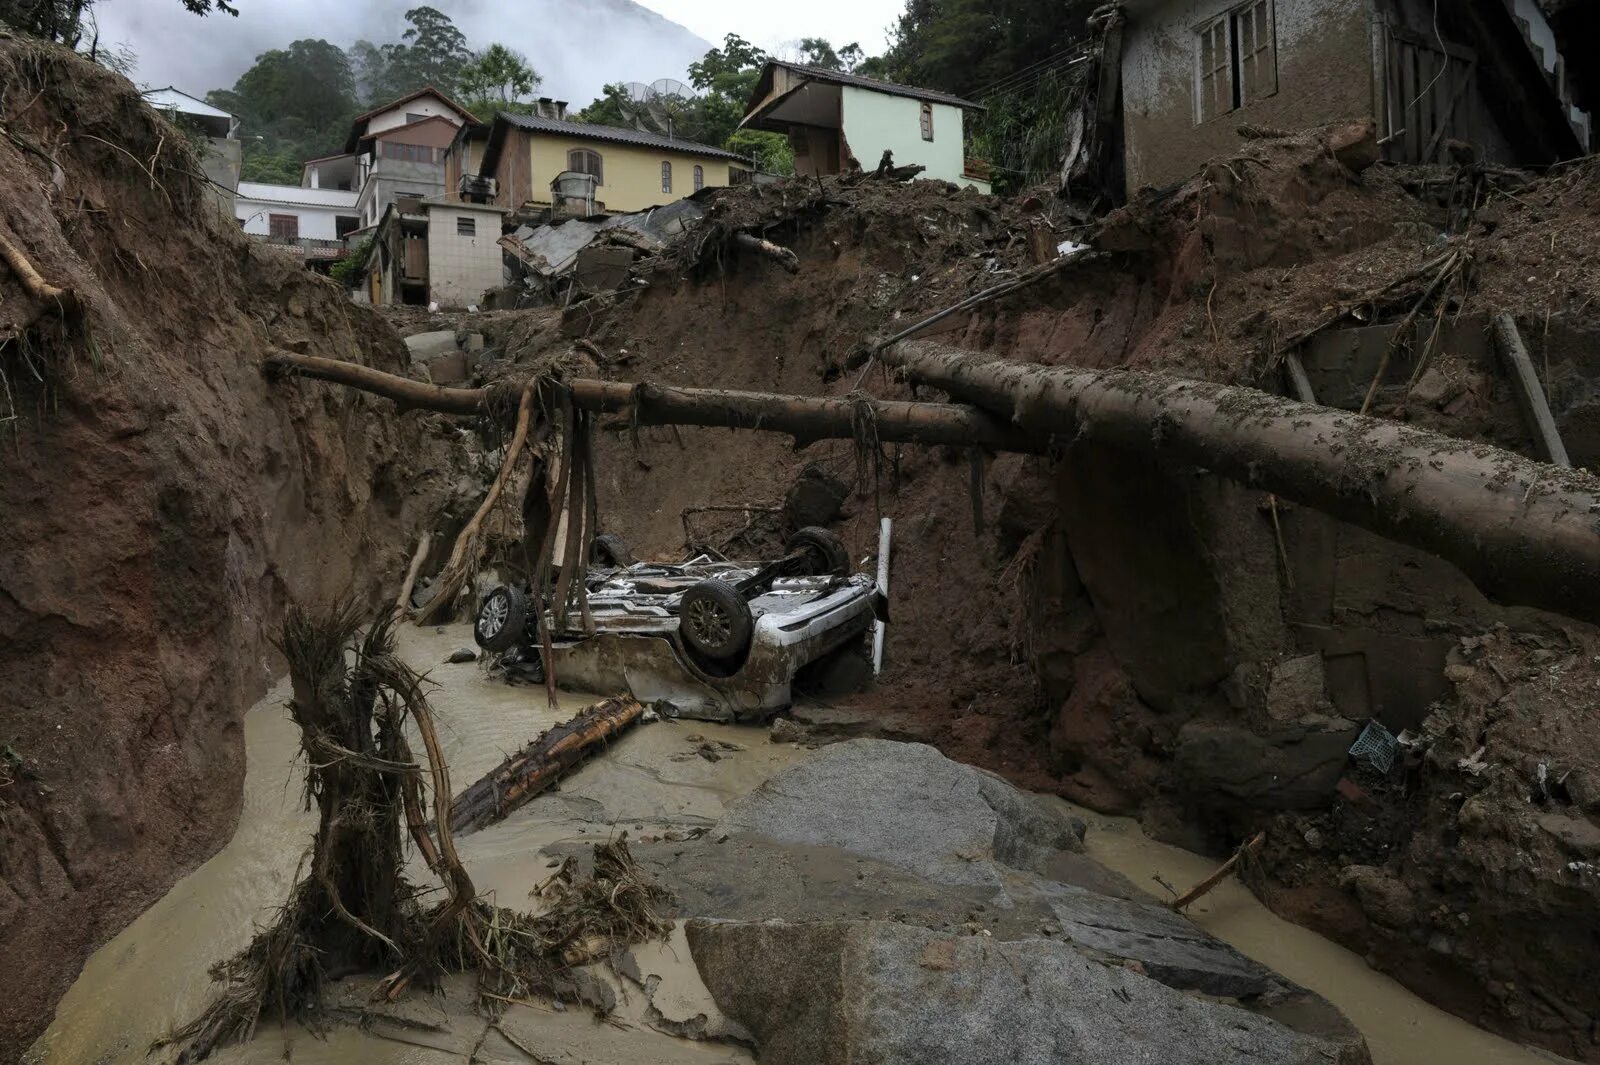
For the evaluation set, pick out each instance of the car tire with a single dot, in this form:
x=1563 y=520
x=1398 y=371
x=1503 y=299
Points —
x=502 y=619
x=608 y=549
x=714 y=620
x=825 y=553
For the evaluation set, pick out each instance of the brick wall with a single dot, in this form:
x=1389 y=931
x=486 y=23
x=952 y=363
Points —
x=462 y=266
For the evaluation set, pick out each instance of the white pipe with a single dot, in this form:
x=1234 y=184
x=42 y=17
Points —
x=885 y=532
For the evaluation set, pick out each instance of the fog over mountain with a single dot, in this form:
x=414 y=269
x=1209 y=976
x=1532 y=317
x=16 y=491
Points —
x=577 y=46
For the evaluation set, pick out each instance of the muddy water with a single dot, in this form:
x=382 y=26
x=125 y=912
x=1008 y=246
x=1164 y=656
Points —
x=1400 y=1028
x=153 y=975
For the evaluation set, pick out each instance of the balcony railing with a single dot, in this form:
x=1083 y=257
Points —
x=307 y=247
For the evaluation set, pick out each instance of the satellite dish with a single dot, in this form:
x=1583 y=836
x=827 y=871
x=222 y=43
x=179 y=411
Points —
x=671 y=106
x=634 y=102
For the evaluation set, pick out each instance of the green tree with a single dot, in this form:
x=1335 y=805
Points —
x=497 y=80
x=293 y=104
x=726 y=77
x=820 y=53
x=606 y=109
x=431 y=51
x=966 y=46
x=64 y=20
x=436 y=52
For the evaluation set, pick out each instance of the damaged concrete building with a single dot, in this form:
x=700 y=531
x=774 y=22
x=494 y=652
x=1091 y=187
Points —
x=1200 y=75
x=837 y=122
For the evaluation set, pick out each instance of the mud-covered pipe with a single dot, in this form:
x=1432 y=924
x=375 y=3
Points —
x=1523 y=531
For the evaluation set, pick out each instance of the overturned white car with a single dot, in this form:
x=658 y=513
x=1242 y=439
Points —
x=706 y=638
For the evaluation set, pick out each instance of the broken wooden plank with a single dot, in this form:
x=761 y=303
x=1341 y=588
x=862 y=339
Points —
x=1529 y=391
x=541 y=763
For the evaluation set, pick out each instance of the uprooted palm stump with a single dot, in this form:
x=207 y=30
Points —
x=352 y=910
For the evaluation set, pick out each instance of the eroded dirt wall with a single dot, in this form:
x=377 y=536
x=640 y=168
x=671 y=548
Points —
x=160 y=503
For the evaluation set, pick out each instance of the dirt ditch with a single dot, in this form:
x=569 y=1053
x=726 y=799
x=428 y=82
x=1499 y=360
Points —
x=1148 y=640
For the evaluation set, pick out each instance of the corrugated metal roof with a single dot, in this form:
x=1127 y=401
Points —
x=297 y=194
x=835 y=77
x=618 y=135
x=172 y=99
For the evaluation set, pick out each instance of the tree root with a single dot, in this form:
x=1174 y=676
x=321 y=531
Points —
x=64 y=301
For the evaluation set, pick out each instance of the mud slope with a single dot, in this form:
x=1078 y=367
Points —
x=159 y=504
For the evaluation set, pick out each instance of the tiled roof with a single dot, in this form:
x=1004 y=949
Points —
x=619 y=135
x=837 y=77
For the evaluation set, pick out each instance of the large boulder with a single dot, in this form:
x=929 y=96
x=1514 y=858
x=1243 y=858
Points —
x=908 y=806
x=821 y=993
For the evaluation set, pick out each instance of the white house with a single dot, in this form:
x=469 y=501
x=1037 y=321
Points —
x=312 y=221
x=221 y=129
x=833 y=119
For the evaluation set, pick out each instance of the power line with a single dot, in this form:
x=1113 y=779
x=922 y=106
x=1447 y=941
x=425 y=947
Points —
x=1022 y=75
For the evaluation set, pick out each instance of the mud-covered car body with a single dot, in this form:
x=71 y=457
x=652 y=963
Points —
x=639 y=643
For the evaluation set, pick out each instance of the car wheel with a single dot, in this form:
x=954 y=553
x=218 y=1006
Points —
x=715 y=620
x=608 y=549
x=825 y=553
x=502 y=619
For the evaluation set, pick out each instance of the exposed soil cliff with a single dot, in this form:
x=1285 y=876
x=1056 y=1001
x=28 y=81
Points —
x=160 y=504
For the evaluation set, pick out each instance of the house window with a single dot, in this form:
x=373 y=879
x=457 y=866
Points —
x=283 y=226
x=465 y=226
x=927 y=122
x=410 y=118
x=343 y=225
x=699 y=178
x=1237 y=60
x=585 y=161
x=666 y=176
x=411 y=153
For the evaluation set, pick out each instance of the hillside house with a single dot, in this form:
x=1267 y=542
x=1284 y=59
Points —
x=310 y=223
x=837 y=122
x=221 y=130
x=1486 y=72
x=515 y=161
x=434 y=251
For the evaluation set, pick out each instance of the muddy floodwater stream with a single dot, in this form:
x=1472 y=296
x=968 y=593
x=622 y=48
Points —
x=153 y=976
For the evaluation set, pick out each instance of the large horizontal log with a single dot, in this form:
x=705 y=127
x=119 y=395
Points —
x=541 y=763
x=806 y=418
x=1524 y=532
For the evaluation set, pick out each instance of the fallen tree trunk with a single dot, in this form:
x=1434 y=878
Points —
x=768 y=250
x=1524 y=532
x=541 y=763
x=806 y=418
x=403 y=390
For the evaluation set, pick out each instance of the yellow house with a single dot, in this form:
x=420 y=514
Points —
x=634 y=169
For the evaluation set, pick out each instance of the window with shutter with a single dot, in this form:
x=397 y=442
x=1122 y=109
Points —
x=465 y=226
x=585 y=161
x=666 y=176
x=699 y=178
x=927 y=122
x=283 y=226
x=1236 y=60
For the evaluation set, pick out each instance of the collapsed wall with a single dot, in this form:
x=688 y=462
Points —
x=160 y=505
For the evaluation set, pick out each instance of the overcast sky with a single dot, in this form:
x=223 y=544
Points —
x=578 y=45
